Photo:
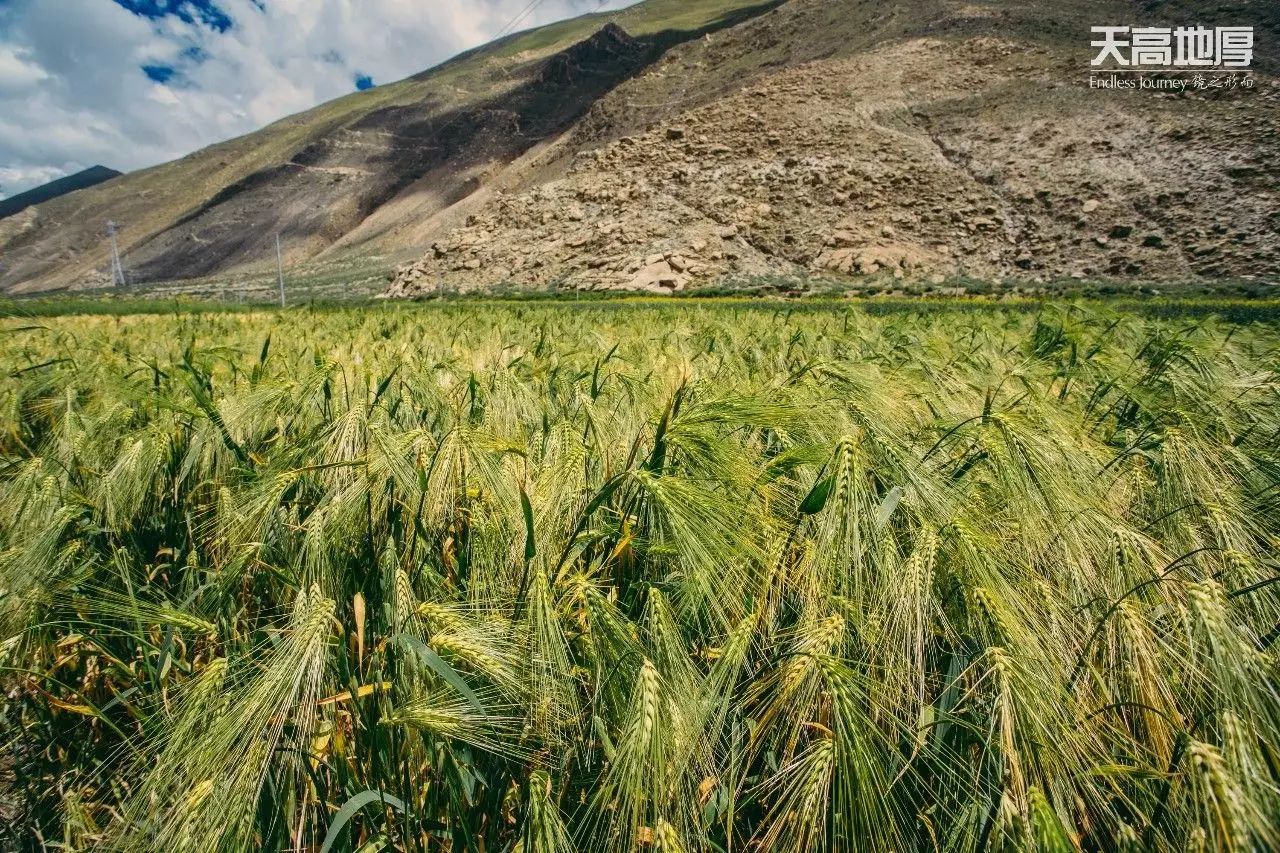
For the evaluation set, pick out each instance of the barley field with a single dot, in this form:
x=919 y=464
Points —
x=615 y=577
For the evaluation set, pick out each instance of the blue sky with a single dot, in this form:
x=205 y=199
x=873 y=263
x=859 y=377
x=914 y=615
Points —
x=191 y=11
x=132 y=83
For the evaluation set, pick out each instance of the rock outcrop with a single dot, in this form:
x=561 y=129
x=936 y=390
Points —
x=920 y=159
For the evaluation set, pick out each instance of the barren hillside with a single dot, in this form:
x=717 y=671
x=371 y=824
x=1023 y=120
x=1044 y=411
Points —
x=331 y=175
x=680 y=143
x=919 y=141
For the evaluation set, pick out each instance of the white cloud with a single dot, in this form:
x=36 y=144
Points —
x=17 y=72
x=73 y=92
x=22 y=177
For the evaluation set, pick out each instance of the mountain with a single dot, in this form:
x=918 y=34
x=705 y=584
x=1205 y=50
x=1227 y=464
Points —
x=922 y=141
x=47 y=192
x=371 y=168
x=688 y=141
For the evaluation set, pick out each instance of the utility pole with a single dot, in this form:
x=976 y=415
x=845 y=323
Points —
x=117 y=269
x=280 y=269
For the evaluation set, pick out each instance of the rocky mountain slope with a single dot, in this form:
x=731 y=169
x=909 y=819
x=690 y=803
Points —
x=916 y=141
x=680 y=143
x=371 y=168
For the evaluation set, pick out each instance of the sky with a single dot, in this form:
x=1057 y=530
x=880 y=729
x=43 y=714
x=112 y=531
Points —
x=132 y=83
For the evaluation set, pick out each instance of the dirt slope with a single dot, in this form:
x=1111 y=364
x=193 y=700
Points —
x=416 y=146
x=919 y=141
x=684 y=142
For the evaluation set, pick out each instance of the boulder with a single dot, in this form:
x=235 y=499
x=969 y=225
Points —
x=657 y=276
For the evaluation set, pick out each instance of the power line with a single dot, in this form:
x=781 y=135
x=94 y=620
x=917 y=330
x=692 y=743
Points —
x=520 y=16
x=534 y=4
x=280 y=269
x=117 y=269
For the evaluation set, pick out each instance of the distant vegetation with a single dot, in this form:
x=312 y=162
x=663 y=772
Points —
x=633 y=575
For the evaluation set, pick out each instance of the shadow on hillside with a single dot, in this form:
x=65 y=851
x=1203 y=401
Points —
x=333 y=184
